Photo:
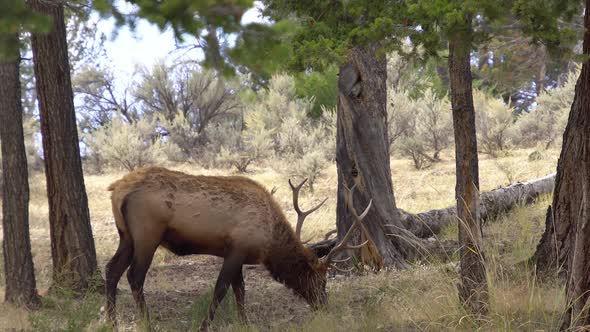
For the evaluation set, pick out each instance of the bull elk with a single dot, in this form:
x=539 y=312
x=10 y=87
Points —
x=231 y=217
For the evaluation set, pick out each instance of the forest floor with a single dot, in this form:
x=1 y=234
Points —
x=178 y=290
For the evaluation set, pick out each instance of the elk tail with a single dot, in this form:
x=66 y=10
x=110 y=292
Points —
x=119 y=202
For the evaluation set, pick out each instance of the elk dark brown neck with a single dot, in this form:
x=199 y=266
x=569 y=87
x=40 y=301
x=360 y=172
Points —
x=288 y=261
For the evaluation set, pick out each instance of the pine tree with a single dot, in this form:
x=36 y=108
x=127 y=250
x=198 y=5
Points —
x=72 y=244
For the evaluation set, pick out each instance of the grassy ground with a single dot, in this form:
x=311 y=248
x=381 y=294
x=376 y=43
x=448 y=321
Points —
x=178 y=290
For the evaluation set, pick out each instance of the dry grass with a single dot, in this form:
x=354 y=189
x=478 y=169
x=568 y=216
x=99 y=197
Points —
x=423 y=298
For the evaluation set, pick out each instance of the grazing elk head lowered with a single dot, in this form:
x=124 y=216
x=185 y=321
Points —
x=230 y=217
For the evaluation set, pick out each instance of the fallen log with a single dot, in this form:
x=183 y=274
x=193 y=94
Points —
x=492 y=203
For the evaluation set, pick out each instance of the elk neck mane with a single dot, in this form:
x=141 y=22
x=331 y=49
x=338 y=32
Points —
x=288 y=260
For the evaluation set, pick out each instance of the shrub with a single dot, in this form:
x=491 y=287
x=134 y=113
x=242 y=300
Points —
x=400 y=116
x=185 y=100
x=414 y=148
x=184 y=140
x=536 y=155
x=309 y=165
x=251 y=147
x=279 y=124
x=319 y=142
x=434 y=122
x=428 y=127
x=511 y=170
x=224 y=139
x=30 y=131
x=494 y=124
x=546 y=123
x=125 y=145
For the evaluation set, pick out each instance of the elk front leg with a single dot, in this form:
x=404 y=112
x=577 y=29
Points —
x=240 y=293
x=231 y=266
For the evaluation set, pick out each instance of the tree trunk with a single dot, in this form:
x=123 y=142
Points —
x=492 y=204
x=72 y=245
x=21 y=288
x=557 y=242
x=540 y=82
x=473 y=289
x=571 y=209
x=362 y=156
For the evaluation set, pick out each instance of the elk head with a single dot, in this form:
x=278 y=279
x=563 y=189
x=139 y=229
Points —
x=314 y=286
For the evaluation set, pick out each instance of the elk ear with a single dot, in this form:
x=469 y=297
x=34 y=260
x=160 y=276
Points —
x=322 y=248
x=320 y=251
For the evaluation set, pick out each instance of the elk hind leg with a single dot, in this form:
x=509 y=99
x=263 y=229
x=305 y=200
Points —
x=114 y=270
x=142 y=259
x=231 y=266
x=240 y=293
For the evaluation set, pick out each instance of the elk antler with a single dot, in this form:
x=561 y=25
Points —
x=329 y=259
x=301 y=215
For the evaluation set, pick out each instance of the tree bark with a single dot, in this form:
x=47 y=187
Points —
x=72 y=245
x=473 y=289
x=362 y=157
x=540 y=82
x=553 y=254
x=21 y=288
x=571 y=208
x=492 y=203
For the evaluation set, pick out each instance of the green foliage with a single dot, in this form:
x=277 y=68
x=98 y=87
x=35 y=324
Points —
x=63 y=311
x=263 y=50
x=443 y=18
x=239 y=148
x=321 y=86
x=224 y=141
x=14 y=18
x=227 y=313
x=210 y=23
x=509 y=64
x=85 y=41
x=540 y=20
x=330 y=28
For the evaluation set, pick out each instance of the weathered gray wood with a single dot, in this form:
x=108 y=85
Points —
x=362 y=156
x=492 y=203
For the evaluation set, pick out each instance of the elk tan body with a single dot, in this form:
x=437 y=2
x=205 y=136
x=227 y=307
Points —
x=230 y=217
x=198 y=214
